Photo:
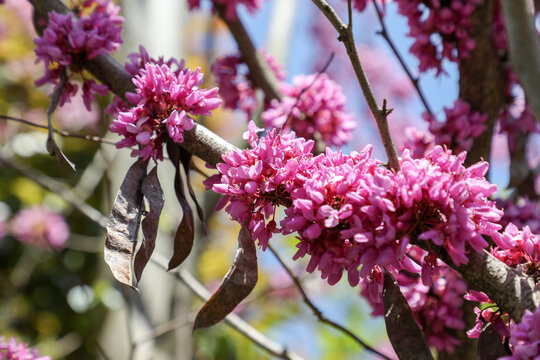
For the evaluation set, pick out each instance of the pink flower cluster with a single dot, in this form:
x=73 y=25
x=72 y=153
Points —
x=68 y=41
x=461 y=127
x=438 y=308
x=255 y=181
x=441 y=30
x=489 y=314
x=314 y=108
x=418 y=142
x=348 y=210
x=13 y=350
x=41 y=227
x=164 y=101
x=518 y=248
x=235 y=87
x=525 y=337
x=230 y=6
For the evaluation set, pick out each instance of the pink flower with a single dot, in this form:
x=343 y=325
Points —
x=255 y=181
x=441 y=30
x=518 y=248
x=13 y=350
x=165 y=100
x=235 y=87
x=461 y=127
x=446 y=203
x=525 y=337
x=41 y=227
x=68 y=41
x=336 y=217
x=314 y=108
x=417 y=142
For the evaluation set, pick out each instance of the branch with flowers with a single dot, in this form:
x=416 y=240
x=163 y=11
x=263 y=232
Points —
x=424 y=226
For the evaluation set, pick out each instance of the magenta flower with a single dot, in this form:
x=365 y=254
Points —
x=235 y=87
x=255 y=181
x=41 y=227
x=417 y=142
x=442 y=201
x=314 y=108
x=518 y=248
x=441 y=30
x=230 y=6
x=165 y=100
x=13 y=350
x=68 y=41
x=461 y=127
x=336 y=219
x=525 y=337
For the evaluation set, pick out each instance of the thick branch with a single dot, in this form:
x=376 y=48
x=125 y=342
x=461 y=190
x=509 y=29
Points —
x=507 y=287
x=414 y=80
x=524 y=48
x=380 y=114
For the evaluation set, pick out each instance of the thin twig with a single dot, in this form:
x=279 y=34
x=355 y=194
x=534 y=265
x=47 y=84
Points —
x=414 y=80
x=64 y=133
x=165 y=328
x=379 y=113
x=318 y=312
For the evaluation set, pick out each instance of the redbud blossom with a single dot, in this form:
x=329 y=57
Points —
x=314 y=108
x=164 y=100
x=41 y=227
x=13 y=350
x=68 y=41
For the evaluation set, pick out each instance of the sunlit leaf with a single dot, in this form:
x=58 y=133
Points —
x=123 y=224
x=403 y=331
x=183 y=239
x=151 y=189
x=236 y=286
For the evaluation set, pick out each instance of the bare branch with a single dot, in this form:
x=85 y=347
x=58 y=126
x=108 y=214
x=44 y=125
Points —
x=318 y=312
x=524 y=48
x=379 y=113
x=414 y=80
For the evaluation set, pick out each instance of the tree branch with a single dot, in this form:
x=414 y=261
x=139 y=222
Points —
x=380 y=114
x=259 y=72
x=318 y=314
x=386 y=36
x=524 y=48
